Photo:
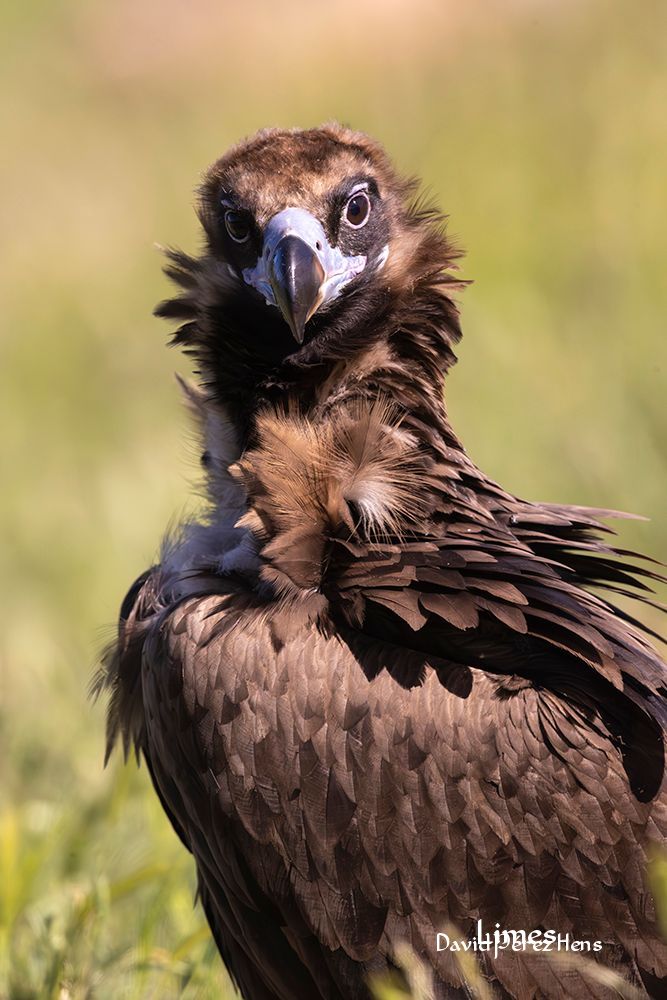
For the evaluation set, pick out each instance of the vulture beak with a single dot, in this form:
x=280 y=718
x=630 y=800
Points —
x=296 y=277
x=298 y=270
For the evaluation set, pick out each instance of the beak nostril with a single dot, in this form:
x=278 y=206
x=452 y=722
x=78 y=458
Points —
x=318 y=245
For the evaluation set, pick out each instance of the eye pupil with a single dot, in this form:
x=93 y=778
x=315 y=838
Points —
x=238 y=225
x=357 y=210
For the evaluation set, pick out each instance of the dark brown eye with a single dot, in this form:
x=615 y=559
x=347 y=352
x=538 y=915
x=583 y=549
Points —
x=238 y=225
x=357 y=210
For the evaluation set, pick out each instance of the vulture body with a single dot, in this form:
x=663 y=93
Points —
x=380 y=698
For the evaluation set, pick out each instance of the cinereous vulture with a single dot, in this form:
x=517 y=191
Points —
x=381 y=699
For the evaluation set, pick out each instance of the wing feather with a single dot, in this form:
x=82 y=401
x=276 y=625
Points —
x=378 y=802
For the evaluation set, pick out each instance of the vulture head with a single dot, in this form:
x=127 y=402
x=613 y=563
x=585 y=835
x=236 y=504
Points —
x=316 y=250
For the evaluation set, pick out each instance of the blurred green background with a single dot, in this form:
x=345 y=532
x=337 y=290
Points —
x=540 y=127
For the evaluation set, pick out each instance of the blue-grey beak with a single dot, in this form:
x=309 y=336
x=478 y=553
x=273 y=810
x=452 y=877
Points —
x=298 y=271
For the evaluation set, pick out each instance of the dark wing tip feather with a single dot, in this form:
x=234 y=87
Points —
x=120 y=670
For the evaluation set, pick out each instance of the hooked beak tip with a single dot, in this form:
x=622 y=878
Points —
x=298 y=330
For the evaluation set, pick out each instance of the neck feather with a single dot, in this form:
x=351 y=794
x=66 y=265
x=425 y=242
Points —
x=403 y=356
x=387 y=341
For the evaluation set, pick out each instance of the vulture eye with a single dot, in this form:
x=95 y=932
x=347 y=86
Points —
x=357 y=210
x=238 y=225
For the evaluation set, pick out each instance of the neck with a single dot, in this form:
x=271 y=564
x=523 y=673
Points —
x=402 y=354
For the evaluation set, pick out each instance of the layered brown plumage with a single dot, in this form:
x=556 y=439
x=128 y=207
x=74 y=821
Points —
x=379 y=695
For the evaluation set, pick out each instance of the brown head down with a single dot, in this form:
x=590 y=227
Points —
x=317 y=255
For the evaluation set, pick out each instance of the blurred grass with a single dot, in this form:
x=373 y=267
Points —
x=539 y=126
